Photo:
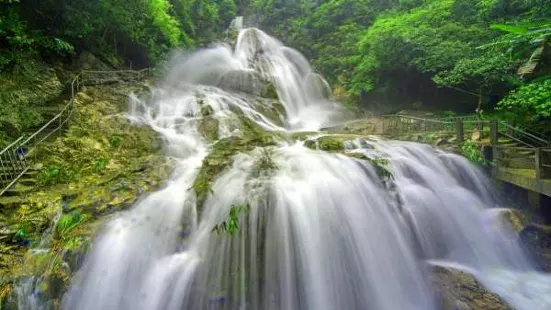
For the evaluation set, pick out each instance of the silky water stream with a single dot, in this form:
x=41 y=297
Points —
x=319 y=230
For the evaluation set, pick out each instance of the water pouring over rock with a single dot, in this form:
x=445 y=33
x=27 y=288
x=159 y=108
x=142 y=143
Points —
x=254 y=218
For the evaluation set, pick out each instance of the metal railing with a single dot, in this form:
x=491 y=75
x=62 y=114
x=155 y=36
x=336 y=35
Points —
x=399 y=124
x=17 y=158
x=525 y=150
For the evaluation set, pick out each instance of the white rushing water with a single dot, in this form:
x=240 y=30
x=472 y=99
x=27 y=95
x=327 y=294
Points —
x=321 y=231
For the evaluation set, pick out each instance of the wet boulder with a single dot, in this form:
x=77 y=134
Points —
x=458 y=290
x=537 y=241
x=249 y=82
x=513 y=219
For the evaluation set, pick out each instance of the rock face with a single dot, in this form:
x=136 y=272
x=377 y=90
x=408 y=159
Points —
x=249 y=82
x=244 y=81
x=515 y=219
x=101 y=165
x=458 y=290
x=21 y=94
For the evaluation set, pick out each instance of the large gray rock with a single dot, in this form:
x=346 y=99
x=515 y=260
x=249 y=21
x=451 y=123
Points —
x=458 y=290
x=247 y=81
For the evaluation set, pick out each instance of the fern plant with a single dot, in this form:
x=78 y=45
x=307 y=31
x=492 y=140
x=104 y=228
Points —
x=68 y=222
x=231 y=225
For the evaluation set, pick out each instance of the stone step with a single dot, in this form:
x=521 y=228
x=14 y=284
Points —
x=517 y=153
x=509 y=144
x=18 y=190
x=10 y=202
x=27 y=181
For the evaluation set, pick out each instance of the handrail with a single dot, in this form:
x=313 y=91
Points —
x=424 y=119
x=536 y=151
x=516 y=148
x=12 y=144
x=540 y=141
x=15 y=160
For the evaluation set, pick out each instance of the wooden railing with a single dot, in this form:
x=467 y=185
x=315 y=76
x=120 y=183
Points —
x=17 y=158
x=524 y=151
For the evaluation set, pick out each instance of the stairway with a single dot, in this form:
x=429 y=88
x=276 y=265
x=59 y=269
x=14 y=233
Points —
x=516 y=155
x=25 y=183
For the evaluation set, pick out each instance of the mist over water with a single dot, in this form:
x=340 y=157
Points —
x=322 y=231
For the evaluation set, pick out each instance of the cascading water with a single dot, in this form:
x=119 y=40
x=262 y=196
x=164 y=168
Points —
x=320 y=230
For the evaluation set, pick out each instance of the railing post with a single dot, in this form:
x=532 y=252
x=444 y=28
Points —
x=480 y=128
x=510 y=129
x=496 y=156
x=459 y=131
x=493 y=132
x=540 y=169
x=4 y=178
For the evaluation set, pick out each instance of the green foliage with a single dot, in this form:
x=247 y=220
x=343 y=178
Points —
x=68 y=222
x=100 y=164
x=530 y=105
x=115 y=141
x=51 y=175
x=472 y=151
x=381 y=165
x=22 y=234
x=109 y=27
x=518 y=37
x=483 y=72
x=231 y=225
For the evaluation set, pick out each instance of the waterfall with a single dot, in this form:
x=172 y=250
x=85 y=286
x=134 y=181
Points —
x=315 y=230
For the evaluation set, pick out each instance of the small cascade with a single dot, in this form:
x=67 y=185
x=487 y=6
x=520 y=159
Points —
x=27 y=290
x=280 y=225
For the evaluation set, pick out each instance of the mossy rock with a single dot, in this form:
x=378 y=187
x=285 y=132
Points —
x=220 y=157
x=269 y=90
x=206 y=110
x=328 y=143
x=208 y=128
x=105 y=165
x=456 y=289
x=272 y=109
x=380 y=164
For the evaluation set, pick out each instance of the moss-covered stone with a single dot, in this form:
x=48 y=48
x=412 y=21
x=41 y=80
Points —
x=220 y=156
x=272 y=109
x=380 y=164
x=456 y=289
x=328 y=143
x=208 y=128
x=269 y=90
x=206 y=110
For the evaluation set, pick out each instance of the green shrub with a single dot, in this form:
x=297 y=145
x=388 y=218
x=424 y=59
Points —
x=100 y=164
x=115 y=141
x=68 y=222
x=472 y=151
